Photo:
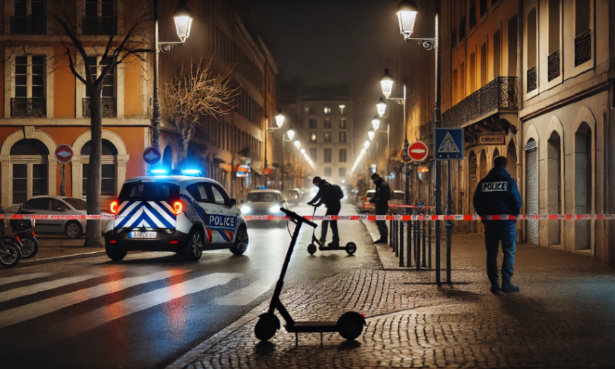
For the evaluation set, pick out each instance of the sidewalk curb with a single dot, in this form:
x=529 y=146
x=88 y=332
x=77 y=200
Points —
x=28 y=262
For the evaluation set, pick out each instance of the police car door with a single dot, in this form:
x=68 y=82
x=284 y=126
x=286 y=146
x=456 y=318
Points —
x=222 y=222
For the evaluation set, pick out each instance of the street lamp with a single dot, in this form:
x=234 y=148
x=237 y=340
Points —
x=279 y=122
x=406 y=13
x=381 y=107
x=371 y=134
x=387 y=87
x=183 y=23
x=290 y=134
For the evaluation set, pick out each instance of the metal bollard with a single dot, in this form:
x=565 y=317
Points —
x=424 y=244
x=401 y=244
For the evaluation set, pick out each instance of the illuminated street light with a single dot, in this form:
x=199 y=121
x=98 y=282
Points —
x=371 y=134
x=381 y=107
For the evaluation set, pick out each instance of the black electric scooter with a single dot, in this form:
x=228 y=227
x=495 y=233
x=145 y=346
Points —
x=349 y=325
x=350 y=247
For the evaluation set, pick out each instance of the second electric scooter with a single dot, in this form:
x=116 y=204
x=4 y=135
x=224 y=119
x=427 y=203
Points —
x=350 y=247
x=349 y=325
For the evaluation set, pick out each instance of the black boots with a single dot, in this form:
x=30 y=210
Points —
x=508 y=287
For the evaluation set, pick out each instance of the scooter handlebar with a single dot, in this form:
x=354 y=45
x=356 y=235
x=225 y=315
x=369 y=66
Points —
x=298 y=217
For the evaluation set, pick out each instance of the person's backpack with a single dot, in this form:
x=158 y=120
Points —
x=337 y=190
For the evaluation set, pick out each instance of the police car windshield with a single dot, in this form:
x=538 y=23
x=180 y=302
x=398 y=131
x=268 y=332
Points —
x=150 y=191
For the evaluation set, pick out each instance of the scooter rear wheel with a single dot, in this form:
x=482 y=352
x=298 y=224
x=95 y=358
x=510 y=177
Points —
x=350 y=325
x=311 y=249
x=351 y=248
x=266 y=327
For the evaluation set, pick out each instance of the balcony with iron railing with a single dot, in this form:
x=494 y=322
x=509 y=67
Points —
x=29 y=25
x=583 y=47
x=109 y=107
x=497 y=96
x=22 y=107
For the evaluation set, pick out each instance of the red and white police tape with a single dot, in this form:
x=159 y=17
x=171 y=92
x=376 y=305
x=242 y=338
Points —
x=348 y=217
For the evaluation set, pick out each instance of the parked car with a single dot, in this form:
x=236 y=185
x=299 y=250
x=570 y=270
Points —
x=397 y=198
x=264 y=202
x=58 y=205
x=182 y=214
x=293 y=197
x=363 y=204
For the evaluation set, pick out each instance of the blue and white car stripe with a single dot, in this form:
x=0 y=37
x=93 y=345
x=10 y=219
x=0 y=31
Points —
x=149 y=214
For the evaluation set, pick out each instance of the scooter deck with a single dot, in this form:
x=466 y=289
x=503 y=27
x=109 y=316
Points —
x=326 y=248
x=304 y=327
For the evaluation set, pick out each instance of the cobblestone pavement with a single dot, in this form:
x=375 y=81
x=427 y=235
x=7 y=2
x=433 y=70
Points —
x=562 y=318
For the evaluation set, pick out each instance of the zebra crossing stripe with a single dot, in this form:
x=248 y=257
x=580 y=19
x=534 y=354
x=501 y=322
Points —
x=45 y=286
x=22 y=277
x=142 y=302
x=30 y=311
x=244 y=296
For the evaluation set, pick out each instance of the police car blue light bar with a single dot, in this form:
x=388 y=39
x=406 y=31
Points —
x=190 y=172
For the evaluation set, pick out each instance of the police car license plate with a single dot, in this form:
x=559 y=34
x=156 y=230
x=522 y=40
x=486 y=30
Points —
x=142 y=235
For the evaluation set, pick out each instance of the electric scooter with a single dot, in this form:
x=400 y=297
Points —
x=349 y=325
x=350 y=247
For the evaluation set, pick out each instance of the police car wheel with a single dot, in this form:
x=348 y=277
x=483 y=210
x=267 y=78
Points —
x=194 y=249
x=115 y=253
x=241 y=241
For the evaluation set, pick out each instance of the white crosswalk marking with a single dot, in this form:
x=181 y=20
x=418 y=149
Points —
x=142 y=302
x=45 y=286
x=22 y=277
x=245 y=295
x=39 y=308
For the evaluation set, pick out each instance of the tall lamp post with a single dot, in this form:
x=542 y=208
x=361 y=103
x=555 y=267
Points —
x=406 y=14
x=290 y=134
x=387 y=87
x=183 y=23
x=279 y=122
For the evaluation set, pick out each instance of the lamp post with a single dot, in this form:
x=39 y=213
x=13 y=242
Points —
x=183 y=23
x=406 y=13
x=279 y=122
x=387 y=87
x=290 y=134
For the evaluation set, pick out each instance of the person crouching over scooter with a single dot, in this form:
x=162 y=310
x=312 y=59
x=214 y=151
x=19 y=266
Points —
x=326 y=195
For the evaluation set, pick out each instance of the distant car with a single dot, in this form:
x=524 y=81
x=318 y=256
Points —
x=397 y=198
x=58 y=205
x=293 y=197
x=264 y=202
x=363 y=203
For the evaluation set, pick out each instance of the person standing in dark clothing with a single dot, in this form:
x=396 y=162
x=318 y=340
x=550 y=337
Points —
x=497 y=194
x=381 y=201
x=328 y=196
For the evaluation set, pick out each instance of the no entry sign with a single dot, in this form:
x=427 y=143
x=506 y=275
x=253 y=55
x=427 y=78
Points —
x=418 y=151
x=64 y=153
x=151 y=155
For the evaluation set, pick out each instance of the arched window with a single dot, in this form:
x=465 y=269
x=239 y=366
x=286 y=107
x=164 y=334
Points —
x=108 y=174
x=30 y=171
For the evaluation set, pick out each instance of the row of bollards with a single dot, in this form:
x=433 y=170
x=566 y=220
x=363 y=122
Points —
x=411 y=241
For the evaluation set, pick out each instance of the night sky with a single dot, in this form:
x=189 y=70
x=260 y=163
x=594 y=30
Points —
x=342 y=45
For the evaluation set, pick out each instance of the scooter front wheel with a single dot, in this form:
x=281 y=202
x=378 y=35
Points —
x=350 y=325
x=312 y=249
x=351 y=248
x=266 y=327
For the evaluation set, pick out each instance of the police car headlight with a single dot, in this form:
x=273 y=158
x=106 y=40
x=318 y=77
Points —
x=275 y=209
x=245 y=208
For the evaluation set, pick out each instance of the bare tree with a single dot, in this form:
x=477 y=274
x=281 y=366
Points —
x=197 y=92
x=119 y=40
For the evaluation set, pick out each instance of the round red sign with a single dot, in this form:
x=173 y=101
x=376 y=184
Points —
x=64 y=153
x=418 y=151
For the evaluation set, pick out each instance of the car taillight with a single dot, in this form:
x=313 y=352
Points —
x=178 y=207
x=113 y=206
x=365 y=198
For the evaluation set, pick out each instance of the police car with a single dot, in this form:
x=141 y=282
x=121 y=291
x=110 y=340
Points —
x=175 y=213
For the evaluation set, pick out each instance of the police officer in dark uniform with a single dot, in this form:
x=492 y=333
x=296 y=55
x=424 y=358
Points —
x=326 y=195
x=498 y=194
x=381 y=201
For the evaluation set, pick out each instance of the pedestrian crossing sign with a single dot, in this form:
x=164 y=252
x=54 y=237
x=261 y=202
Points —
x=448 y=143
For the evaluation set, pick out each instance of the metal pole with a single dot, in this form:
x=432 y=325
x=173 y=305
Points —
x=436 y=124
x=401 y=243
x=156 y=102
x=283 y=153
x=449 y=226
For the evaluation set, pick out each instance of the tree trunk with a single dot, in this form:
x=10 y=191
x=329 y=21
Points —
x=93 y=186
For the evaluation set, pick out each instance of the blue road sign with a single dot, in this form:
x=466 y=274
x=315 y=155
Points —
x=151 y=155
x=448 y=143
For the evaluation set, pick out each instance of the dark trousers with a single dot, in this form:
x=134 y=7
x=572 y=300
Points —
x=334 y=210
x=504 y=232
x=382 y=224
